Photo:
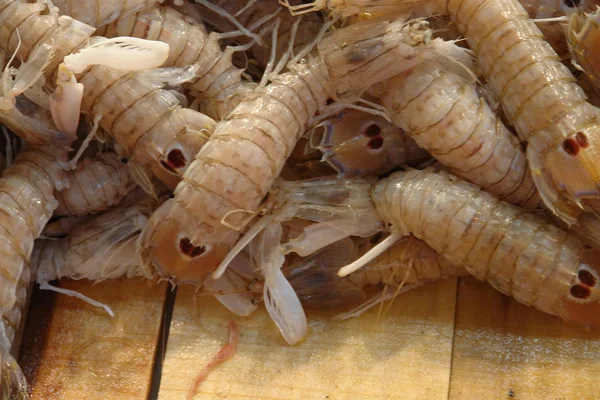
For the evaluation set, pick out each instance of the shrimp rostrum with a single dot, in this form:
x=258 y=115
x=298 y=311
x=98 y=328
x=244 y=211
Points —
x=189 y=235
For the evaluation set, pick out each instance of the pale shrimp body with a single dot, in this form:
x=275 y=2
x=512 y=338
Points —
x=103 y=248
x=146 y=121
x=26 y=25
x=518 y=253
x=101 y=12
x=542 y=100
x=189 y=235
x=27 y=203
x=94 y=185
x=446 y=116
x=218 y=82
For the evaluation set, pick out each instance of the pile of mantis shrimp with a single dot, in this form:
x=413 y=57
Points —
x=297 y=154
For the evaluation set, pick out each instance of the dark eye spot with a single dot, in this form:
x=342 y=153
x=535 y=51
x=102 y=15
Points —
x=375 y=143
x=176 y=159
x=187 y=248
x=571 y=147
x=329 y=101
x=580 y=292
x=586 y=277
x=582 y=140
x=124 y=160
x=372 y=130
x=167 y=166
x=572 y=3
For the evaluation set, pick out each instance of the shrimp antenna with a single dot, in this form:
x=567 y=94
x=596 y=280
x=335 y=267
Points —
x=72 y=293
x=222 y=12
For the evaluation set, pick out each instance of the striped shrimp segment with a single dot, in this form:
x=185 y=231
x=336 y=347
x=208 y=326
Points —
x=542 y=100
x=216 y=80
x=95 y=185
x=518 y=253
x=445 y=115
x=189 y=236
x=101 y=12
x=26 y=204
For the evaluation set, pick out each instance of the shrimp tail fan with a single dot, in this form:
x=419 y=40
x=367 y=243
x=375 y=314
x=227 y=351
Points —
x=122 y=53
x=281 y=301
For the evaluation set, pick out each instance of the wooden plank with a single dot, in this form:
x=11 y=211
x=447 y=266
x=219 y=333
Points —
x=405 y=355
x=505 y=350
x=75 y=351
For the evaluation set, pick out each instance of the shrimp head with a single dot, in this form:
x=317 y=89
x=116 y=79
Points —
x=170 y=250
x=581 y=302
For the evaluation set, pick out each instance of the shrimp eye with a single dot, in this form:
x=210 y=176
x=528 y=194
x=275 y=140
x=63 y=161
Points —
x=375 y=143
x=372 y=130
x=124 y=160
x=571 y=146
x=187 y=248
x=582 y=140
x=580 y=292
x=572 y=3
x=175 y=160
x=586 y=277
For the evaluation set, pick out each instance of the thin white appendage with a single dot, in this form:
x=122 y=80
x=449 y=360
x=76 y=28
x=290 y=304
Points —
x=72 y=293
x=286 y=56
x=222 y=12
x=366 y=306
x=251 y=28
x=371 y=254
x=86 y=142
x=269 y=67
x=308 y=48
x=247 y=6
x=239 y=246
x=555 y=19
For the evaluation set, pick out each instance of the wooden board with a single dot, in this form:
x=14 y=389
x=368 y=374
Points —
x=72 y=350
x=505 y=350
x=493 y=348
x=406 y=354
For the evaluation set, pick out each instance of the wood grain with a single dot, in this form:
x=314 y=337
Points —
x=72 y=350
x=505 y=350
x=405 y=355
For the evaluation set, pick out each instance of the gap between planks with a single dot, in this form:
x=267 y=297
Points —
x=494 y=348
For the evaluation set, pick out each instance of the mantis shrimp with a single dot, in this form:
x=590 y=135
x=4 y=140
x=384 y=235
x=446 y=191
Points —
x=27 y=191
x=216 y=80
x=520 y=254
x=444 y=114
x=189 y=235
x=102 y=248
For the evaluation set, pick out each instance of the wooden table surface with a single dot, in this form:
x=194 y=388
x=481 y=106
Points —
x=456 y=339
